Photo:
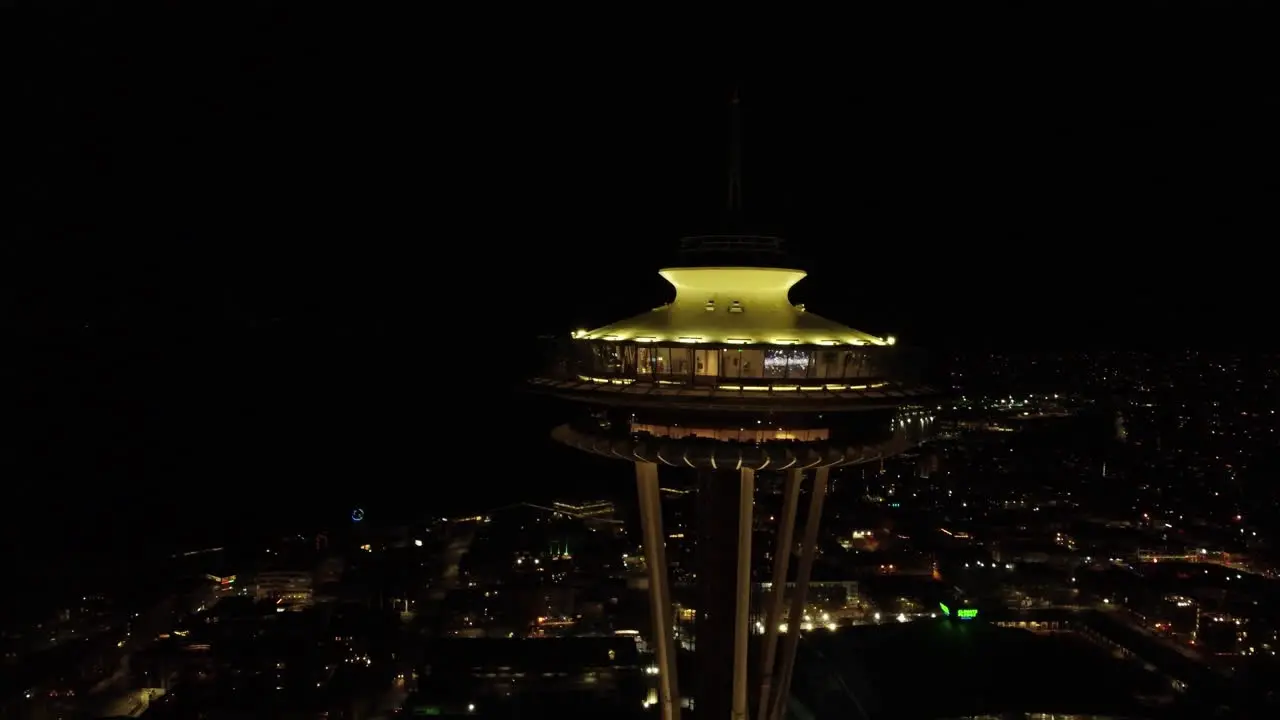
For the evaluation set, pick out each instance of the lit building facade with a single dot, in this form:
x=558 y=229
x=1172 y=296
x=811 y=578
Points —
x=288 y=588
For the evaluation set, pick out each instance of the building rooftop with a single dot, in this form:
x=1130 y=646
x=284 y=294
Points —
x=733 y=305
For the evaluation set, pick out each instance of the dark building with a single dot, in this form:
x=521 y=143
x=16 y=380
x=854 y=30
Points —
x=485 y=676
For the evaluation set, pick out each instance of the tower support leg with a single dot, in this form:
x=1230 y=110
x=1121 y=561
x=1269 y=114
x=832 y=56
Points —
x=800 y=594
x=655 y=557
x=742 y=613
x=778 y=587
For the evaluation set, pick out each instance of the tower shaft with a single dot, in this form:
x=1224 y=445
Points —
x=660 y=610
x=715 y=596
x=723 y=593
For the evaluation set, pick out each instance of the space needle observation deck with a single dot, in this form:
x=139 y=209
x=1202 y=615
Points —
x=727 y=381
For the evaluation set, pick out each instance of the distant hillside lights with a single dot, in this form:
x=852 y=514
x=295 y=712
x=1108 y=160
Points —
x=594 y=508
x=807 y=624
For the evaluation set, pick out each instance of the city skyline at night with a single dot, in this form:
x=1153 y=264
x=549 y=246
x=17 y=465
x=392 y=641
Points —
x=363 y=368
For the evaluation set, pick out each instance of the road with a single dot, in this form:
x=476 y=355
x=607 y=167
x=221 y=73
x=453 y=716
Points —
x=448 y=578
x=459 y=545
x=391 y=700
x=446 y=581
x=1135 y=623
x=129 y=704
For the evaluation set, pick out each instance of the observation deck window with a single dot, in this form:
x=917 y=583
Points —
x=743 y=434
x=662 y=362
x=786 y=363
x=702 y=365
x=706 y=363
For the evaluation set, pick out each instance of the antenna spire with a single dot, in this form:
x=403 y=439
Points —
x=735 y=157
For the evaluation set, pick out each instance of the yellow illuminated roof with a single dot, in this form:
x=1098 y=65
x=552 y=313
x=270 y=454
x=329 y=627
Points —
x=736 y=305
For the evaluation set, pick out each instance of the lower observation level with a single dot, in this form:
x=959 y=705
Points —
x=726 y=439
x=745 y=446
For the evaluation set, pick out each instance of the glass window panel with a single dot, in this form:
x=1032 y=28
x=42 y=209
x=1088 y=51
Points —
x=828 y=365
x=752 y=364
x=645 y=357
x=731 y=362
x=707 y=362
x=681 y=362
x=857 y=365
x=629 y=360
x=782 y=363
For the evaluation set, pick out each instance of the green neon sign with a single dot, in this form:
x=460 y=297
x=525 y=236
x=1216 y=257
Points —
x=962 y=613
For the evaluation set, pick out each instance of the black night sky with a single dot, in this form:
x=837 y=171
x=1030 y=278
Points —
x=249 y=262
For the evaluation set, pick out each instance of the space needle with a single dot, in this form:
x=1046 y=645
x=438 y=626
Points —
x=729 y=382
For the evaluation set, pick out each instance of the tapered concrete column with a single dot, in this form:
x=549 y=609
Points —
x=742 y=614
x=778 y=587
x=655 y=558
x=798 y=598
